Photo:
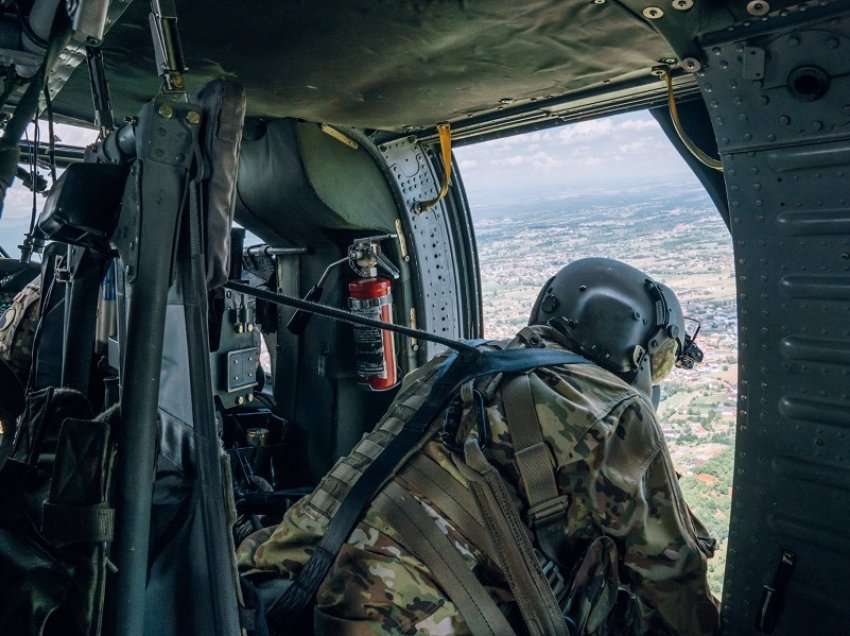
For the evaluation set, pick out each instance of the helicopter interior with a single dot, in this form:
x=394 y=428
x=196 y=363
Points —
x=325 y=129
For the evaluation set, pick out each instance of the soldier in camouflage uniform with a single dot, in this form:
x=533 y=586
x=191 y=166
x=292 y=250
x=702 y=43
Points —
x=17 y=330
x=627 y=529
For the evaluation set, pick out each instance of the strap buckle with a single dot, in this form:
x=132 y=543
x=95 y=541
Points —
x=547 y=511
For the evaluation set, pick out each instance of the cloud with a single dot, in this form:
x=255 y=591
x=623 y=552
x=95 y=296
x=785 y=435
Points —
x=638 y=145
x=512 y=160
x=638 y=124
x=586 y=130
x=536 y=160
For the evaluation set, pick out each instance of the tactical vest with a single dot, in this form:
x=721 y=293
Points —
x=387 y=464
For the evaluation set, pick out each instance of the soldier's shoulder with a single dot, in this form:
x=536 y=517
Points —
x=600 y=391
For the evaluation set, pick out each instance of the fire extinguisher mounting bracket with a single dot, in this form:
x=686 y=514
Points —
x=366 y=258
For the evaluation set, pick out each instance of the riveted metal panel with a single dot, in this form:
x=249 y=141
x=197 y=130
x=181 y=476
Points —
x=778 y=91
x=430 y=235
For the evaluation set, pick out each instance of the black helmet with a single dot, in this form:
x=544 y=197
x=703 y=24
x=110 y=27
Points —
x=612 y=313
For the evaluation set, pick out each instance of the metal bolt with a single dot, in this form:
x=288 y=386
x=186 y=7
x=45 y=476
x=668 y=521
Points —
x=785 y=120
x=250 y=397
x=166 y=111
x=653 y=13
x=599 y=1
x=250 y=327
x=758 y=7
x=691 y=65
x=193 y=117
x=683 y=5
x=240 y=400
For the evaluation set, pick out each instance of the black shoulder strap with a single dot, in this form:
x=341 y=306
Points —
x=457 y=369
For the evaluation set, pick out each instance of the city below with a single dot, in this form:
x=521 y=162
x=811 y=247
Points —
x=677 y=236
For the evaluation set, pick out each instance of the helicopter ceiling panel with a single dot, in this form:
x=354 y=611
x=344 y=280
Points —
x=390 y=65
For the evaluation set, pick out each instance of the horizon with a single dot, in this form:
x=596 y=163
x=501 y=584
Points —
x=616 y=156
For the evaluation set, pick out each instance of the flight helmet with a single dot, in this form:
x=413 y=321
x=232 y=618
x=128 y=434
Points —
x=618 y=317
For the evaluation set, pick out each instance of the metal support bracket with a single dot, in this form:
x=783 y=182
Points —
x=165 y=141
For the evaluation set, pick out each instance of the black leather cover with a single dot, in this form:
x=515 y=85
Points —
x=223 y=104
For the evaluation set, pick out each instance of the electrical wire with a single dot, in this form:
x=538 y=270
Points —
x=34 y=175
x=696 y=151
x=51 y=141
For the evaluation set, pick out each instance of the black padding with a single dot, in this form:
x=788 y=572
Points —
x=83 y=206
x=223 y=105
x=457 y=369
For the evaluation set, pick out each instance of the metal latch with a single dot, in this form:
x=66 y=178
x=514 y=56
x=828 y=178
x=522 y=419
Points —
x=773 y=596
x=753 y=64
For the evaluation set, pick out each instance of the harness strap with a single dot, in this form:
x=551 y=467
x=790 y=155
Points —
x=528 y=583
x=426 y=478
x=424 y=539
x=536 y=466
x=454 y=371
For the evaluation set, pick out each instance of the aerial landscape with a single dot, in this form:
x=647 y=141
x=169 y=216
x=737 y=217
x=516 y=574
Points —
x=676 y=235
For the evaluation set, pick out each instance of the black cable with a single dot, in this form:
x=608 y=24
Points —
x=345 y=316
x=51 y=145
x=34 y=176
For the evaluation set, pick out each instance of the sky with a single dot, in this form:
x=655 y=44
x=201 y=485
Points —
x=591 y=156
x=600 y=154
x=17 y=207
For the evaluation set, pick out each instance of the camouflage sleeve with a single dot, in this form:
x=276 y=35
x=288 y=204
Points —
x=664 y=562
x=377 y=587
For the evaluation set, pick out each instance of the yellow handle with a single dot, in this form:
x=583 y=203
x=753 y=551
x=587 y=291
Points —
x=445 y=133
x=695 y=150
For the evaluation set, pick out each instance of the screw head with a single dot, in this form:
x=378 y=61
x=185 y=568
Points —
x=758 y=7
x=653 y=13
x=683 y=5
x=599 y=1
x=691 y=65
x=166 y=111
x=193 y=117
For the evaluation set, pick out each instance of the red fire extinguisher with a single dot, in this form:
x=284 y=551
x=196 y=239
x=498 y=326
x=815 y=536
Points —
x=374 y=349
x=372 y=297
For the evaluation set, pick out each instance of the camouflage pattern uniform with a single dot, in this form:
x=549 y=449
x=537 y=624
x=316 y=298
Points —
x=17 y=330
x=612 y=462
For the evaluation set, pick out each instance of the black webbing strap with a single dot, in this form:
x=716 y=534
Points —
x=457 y=369
x=63 y=523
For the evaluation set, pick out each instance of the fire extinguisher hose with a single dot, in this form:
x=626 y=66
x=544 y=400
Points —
x=345 y=316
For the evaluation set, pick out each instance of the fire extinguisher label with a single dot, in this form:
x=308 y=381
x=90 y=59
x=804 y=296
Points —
x=369 y=346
